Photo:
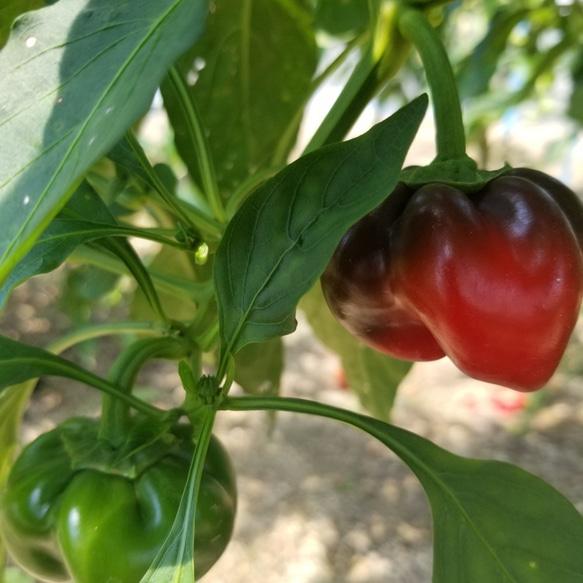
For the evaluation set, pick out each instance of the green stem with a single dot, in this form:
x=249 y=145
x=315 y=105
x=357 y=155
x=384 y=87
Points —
x=115 y=413
x=382 y=58
x=156 y=235
x=155 y=181
x=393 y=437
x=199 y=140
x=196 y=216
x=197 y=292
x=109 y=388
x=130 y=258
x=450 y=133
x=89 y=332
x=288 y=136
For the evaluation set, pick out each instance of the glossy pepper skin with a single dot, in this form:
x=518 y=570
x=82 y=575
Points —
x=493 y=279
x=89 y=525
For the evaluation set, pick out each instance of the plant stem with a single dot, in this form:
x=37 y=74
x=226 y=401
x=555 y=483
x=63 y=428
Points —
x=382 y=58
x=393 y=437
x=155 y=181
x=450 y=133
x=115 y=413
x=288 y=136
x=89 y=332
x=200 y=142
x=180 y=288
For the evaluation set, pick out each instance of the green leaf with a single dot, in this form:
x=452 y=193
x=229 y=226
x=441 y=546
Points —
x=259 y=366
x=63 y=236
x=493 y=522
x=9 y=10
x=373 y=376
x=283 y=236
x=342 y=18
x=72 y=82
x=123 y=154
x=174 y=563
x=251 y=73
x=20 y=362
x=575 y=107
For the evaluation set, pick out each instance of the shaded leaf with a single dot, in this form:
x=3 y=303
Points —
x=57 y=242
x=9 y=10
x=493 y=522
x=284 y=234
x=250 y=74
x=20 y=362
x=73 y=82
x=373 y=376
x=167 y=262
x=259 y=366
x=342 y=18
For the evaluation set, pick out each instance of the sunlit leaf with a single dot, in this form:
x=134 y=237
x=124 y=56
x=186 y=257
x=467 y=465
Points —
x=73 y=80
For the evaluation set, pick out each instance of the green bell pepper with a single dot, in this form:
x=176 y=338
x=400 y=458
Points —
x=74 y=508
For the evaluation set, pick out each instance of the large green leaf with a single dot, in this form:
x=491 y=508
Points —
x=283 y=236
x=75 y=75
x=71 y=229
x=9 y=10
x=373 y=376
x=493 y=522
x=20 y=362
x=250 y=75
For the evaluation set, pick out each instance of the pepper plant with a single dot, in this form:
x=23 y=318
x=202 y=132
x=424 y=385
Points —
x=417 y=262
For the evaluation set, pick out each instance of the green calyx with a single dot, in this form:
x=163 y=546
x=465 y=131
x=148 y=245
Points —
x=462 y=174
x=452 y=165
x=146 y=443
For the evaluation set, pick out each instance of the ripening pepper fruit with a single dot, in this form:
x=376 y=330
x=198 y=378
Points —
x=491 y=279
x=73 y=511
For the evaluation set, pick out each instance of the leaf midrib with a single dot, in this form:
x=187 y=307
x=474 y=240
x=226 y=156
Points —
x=106 y=92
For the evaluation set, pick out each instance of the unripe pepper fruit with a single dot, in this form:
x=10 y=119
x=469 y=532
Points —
x=491 y=279
x=64 y=519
